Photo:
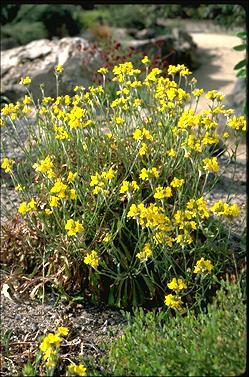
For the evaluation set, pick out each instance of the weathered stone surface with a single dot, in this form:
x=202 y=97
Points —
x=38 y=60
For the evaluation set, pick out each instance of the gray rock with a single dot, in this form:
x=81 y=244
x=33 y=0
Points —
x=38 y=60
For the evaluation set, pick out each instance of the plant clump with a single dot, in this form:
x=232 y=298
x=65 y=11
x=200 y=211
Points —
x=117 y=189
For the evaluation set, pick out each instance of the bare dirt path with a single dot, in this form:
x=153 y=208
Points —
x=218 y=60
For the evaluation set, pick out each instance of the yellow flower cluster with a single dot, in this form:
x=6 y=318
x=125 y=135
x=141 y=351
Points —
x=214 y=94
x=237 y=123
x=148 y=173
x=99 y=181
x=223 y=209
x=163 y=192
x=73 y=227
x=25 y=207
x=77 y=370
x=50 y=346
x=128 y=186
x=145 y=253
x=174 y=301
x=25 y=81
x=211 y=164
x=7 y=165
x=139 y=134
x=151 y=216
x=92 y=259
x=45 y=166
x=177 y=284
x=202 y=266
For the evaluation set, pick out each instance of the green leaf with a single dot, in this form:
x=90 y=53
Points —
x=241 y=64
x=241 y=73
x=239 y=47
x=242 y=35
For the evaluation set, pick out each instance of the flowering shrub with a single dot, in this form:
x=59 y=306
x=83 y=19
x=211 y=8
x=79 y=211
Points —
x=117 y=188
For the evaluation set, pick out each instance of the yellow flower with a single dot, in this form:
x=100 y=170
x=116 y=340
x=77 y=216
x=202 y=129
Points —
x=226 y=135
x=171 y=153
x=26 y=100
x=198 y=92
x=59 y=68
x=137 y=134
x=223 y=209
x=63 y=331
x=124 y=187
x=54 y=201
x=162 y=192
x=71 y=176
x=73 y=227
x=92 y=259
x=2 y=123
x=177 y=182
x=134 y=185
x=145 y=60
x=45 y=166
x=48 y=211
x=32 y=204
x=73 y=194
x=59 y=188
x=60 y=133
x=211 y=164
x=143 y=149
x=145 y=253
x=214 y=94
x=109 y=135
x=177 y=284
x=237 y=123
x=25 y=81
x=143 y=174
x=102 y=70
x=173 y=301
x=23 y=208
x=19 y=188
x=78 y=370
x=203 y=265
x=119 y=120
x=7 y=165
x=109 y=174
x=107 y=237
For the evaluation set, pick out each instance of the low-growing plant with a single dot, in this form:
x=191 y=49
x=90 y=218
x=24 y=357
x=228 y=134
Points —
x=116 y=187
x=212 y=343
x=48 y=357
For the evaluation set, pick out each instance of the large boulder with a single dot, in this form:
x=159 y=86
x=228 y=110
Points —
x=38 y=60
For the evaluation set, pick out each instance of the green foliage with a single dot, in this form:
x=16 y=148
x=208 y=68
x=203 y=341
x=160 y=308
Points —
x=86 y=19
x=25 y=32
x=8 y=12
x=240 y=67
x=212 y=343
x=41 y=21
x=141 y=16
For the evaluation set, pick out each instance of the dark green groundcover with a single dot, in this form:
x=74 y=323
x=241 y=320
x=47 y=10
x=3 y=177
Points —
x=212 y=343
